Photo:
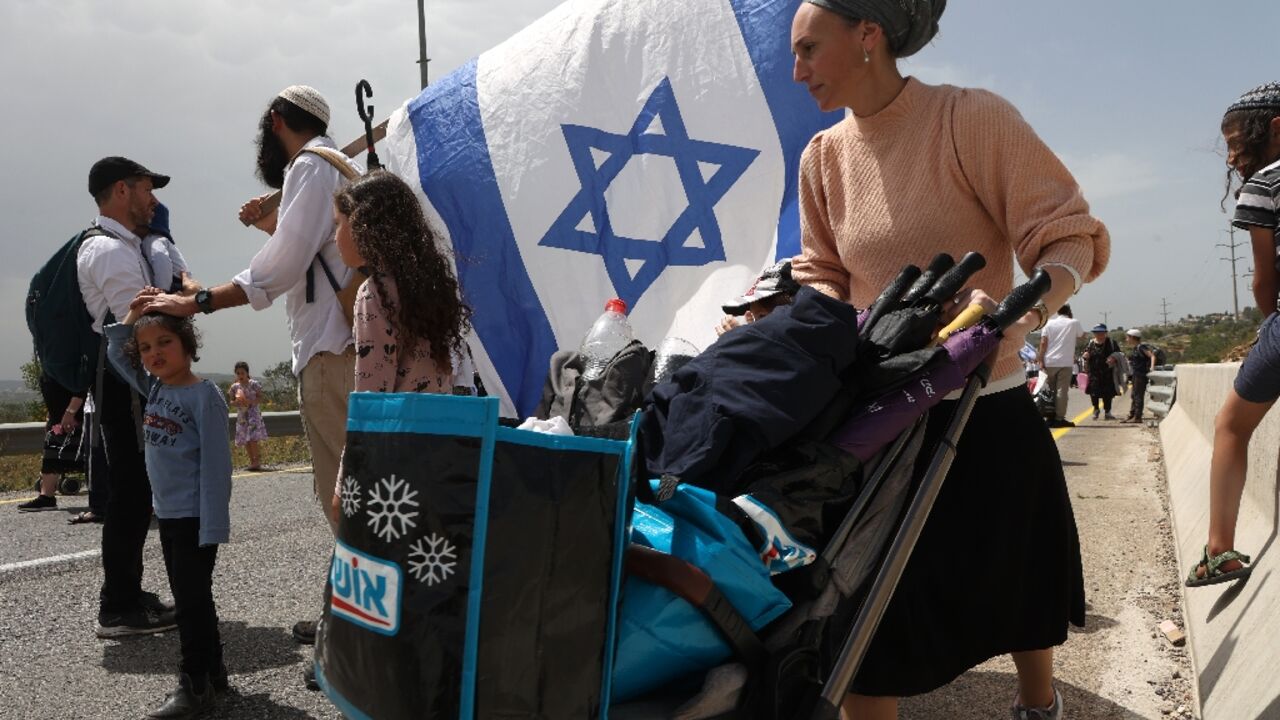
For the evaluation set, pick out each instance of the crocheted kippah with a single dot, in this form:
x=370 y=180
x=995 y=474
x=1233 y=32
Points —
x=1263 y=96
x=309 y=99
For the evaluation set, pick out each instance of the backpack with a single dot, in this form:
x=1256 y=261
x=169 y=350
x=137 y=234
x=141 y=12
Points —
x=1161 y=358
x=346 y=295
x=615 y=395
x=61 y=327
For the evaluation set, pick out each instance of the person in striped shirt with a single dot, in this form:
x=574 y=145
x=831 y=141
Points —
x=1251 y=128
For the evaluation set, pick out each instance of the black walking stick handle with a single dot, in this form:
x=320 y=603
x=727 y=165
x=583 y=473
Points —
x=1021 y=299
x=941 y=263
x=889 y=299
x=364 y=90
x=954 y=279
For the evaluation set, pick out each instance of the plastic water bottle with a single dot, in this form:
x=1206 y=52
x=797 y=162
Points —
x=608 y=336
x=671 y=355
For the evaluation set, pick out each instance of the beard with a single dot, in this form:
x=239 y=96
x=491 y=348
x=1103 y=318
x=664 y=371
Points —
x=272 y=158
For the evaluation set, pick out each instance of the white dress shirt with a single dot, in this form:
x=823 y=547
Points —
x=111 y=271
x=304 y=228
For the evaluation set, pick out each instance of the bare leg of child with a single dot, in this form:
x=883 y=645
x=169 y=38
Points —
x=1235 y=424
x=255 y=459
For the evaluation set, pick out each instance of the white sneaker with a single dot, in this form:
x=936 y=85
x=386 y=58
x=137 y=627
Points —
x=1053 y=712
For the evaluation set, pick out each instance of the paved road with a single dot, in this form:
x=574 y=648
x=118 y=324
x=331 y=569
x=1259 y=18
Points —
x=1116 y=667
x=52 y=666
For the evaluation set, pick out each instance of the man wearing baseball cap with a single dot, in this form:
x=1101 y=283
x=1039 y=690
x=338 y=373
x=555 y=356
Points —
x=295 y=263
x=112 y=268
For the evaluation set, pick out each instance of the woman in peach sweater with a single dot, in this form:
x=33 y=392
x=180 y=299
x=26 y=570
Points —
x=913 y=171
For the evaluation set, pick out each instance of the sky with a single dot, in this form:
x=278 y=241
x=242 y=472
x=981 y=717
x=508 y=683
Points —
x=1129 y=94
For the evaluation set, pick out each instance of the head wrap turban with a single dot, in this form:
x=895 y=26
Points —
x=908 y=24
x=1261 y=97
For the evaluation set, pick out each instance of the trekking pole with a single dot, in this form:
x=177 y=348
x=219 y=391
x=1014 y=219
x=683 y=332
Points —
x=873 y=608
x=363 y=90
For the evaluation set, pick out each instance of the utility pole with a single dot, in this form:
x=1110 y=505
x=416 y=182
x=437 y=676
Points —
x=1106 y=318
x=1235 y=292
x=423 y=60
x=1164 y=310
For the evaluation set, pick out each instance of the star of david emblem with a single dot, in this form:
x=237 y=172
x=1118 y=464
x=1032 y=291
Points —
x=707 y=171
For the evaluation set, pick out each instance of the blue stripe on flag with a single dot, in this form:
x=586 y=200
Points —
x=764 y=25
x=458 y=178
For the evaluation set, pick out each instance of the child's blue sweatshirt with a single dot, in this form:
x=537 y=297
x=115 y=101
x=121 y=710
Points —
x=187 y=448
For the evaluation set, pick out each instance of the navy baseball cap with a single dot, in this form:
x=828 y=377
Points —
x=113 y=169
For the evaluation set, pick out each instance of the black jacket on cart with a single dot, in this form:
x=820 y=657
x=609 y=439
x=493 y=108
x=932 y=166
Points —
x=755 y=388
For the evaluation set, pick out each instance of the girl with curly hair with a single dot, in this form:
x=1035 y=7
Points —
x=410 y=320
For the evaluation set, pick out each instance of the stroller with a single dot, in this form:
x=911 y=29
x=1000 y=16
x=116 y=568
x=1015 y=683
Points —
x=440 y=605
x=860 y=515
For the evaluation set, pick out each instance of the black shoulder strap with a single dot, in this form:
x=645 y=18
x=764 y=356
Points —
x=311 y=278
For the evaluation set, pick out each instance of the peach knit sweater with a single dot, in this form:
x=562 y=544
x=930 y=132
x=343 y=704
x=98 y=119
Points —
x=941 y=169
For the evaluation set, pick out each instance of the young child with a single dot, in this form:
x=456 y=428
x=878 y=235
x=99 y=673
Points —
x=189 y=463
x=410 y=319
x=1251 y=128
x=245 y=393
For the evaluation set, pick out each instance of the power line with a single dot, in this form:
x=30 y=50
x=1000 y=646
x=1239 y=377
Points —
x=1235 y=292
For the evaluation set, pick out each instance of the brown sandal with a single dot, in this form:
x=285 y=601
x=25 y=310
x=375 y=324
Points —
x=88 y=516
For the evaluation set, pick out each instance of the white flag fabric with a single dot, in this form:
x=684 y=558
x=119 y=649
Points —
x=639 y=149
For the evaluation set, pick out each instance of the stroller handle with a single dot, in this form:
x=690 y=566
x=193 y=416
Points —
x=1021 y=299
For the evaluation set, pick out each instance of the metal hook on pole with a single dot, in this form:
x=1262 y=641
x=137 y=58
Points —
x=363 y=91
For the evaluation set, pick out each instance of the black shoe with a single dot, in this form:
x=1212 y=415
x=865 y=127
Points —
x=41 y=502
x=304 y=631
x=152 y=601
x=185 y=701
x=309 y=675
x=1061 y=424
x=143 y=621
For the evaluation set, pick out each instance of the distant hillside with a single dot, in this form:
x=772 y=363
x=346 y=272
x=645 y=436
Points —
x=15 y=391
x=1205 y=338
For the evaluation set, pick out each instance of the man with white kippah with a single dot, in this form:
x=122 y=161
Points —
x=302 y=238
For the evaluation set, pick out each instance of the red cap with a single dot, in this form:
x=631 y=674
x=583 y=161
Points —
x=616 y=305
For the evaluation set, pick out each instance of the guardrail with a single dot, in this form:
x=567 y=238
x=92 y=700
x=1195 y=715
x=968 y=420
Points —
x=28 y=438
x=1162 y=390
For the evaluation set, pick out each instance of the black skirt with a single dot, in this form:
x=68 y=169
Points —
x=997 y=567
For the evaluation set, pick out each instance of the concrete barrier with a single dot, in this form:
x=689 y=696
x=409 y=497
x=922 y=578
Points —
x=1233 y=629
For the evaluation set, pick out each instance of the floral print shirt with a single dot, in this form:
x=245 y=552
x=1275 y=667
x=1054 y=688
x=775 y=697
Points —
x=381 y=366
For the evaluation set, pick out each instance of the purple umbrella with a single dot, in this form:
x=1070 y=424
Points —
x=874 y=423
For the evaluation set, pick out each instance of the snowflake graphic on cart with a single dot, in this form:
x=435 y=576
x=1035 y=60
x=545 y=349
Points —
x=432 y=559
x=391 y=508
x=350 y=497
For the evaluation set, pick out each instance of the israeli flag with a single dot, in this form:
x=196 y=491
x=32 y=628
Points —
x=640 y=149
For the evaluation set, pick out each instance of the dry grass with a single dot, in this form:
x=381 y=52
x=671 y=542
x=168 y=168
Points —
x=20 y=472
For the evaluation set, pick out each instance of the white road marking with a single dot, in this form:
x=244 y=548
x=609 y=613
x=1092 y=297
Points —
x=56 y=559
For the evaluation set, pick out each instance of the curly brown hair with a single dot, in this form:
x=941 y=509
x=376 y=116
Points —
x=1254 y=126
x=396 y=241
x=183 y=327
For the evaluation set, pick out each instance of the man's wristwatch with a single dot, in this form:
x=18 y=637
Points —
x=204 y=301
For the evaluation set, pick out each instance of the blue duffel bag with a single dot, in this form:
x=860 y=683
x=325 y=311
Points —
x=662 y=638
